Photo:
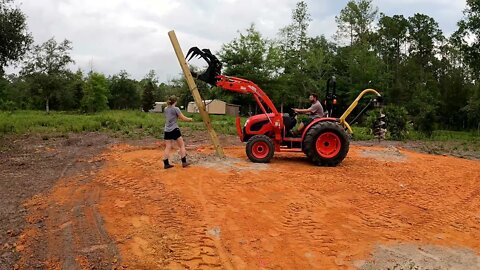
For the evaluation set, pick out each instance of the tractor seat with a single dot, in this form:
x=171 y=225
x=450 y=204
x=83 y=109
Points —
x=289 y=122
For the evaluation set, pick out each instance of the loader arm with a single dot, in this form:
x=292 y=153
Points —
x=242 y=86
x=212 y=75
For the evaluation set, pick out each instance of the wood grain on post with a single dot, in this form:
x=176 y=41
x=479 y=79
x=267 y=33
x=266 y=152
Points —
x=196 y=94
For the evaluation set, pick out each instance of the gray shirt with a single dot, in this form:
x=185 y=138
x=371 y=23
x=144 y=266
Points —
x=316 y=110
x=171 y=116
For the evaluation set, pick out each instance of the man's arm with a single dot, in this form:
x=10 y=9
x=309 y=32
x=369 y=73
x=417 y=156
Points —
x=303 y=111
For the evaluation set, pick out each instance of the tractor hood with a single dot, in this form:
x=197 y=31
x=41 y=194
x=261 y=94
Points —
x=260 y=117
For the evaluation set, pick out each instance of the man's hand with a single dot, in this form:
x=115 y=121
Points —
x=299 y=111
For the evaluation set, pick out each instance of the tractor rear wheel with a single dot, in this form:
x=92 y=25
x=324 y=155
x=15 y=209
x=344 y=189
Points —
x=260 y=149
x=326 y=143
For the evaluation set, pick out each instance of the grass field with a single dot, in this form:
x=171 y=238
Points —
x=130 y=123
x=139 y=124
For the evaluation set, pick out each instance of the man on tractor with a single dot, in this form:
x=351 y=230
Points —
x=315 y=111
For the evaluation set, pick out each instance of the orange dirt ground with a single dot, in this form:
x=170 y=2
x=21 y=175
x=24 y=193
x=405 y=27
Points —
x=233 y=214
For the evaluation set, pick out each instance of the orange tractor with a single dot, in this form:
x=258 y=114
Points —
x=325 y=141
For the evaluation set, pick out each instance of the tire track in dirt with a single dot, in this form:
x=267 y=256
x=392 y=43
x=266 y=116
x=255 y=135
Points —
x=176 y=229
x=69 y=227
x=65 y=229
x=222 y=254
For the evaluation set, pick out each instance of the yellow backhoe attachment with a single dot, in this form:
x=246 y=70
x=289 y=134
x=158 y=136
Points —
x=352 y=107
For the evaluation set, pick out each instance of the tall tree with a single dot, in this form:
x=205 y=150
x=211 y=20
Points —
x=425 y=37
x=473 y=108
x=76 y=88
x=4 y=85
x=148 y=100
x=390 y=42
x=249 y=55
x=252 y=57
x=468 y=36
x=46 y=67
x=356 y=21
x=453 y=88
x=124 y=92
x=318 y=66
x=14 y=35
x=391 y=38
x=17 y=93
x=95 y=98
x=150 y=77
x=294 y=43
x=158 y=89
x=358 y=68
x=294 y=36
x=357 y=65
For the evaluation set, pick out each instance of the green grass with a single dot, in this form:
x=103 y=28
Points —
x=446 y=135
x=448 y=141
x=129 y=123
x=139 y=124
x=361 y=134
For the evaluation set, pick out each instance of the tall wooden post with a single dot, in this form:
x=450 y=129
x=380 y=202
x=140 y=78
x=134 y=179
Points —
x=196 y=94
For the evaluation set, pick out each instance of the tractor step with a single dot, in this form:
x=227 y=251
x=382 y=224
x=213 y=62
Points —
x=288 y=150
x=290 y=139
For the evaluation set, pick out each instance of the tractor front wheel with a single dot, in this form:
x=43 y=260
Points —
x=260 y=149
x=326 y=143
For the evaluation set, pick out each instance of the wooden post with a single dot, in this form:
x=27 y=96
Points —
x=196 y=94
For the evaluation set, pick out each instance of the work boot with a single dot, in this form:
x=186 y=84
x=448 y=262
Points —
x=166 y=164
x=295 y=133
x=184 y=162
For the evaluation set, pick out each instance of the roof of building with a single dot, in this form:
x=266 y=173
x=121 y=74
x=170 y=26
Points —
x=208 y=101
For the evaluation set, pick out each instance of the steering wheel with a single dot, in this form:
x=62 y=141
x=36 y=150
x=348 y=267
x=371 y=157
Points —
x=294 y=113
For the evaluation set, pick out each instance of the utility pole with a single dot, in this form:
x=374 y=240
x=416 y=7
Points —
x=196 y=94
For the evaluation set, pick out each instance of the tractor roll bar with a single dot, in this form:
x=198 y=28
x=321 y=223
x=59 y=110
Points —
x=331 y=96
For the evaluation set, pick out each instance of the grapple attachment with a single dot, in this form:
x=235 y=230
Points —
x=214 y=65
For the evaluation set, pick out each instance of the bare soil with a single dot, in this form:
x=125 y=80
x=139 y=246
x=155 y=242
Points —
x=31 y=165
x=442 y=148
x=92 y=202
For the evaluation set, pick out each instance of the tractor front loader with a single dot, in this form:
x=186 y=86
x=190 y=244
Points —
x=325 y=141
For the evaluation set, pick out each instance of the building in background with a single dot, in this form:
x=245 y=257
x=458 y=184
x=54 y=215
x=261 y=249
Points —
x=159 y=107
x=216 y=106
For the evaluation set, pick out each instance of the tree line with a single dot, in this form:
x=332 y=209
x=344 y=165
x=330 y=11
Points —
x=431 y=78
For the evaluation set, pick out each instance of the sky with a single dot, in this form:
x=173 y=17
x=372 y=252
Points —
x=113 y=35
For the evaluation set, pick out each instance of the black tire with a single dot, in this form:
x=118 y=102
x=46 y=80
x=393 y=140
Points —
x=333 y=150
x=260 y=149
